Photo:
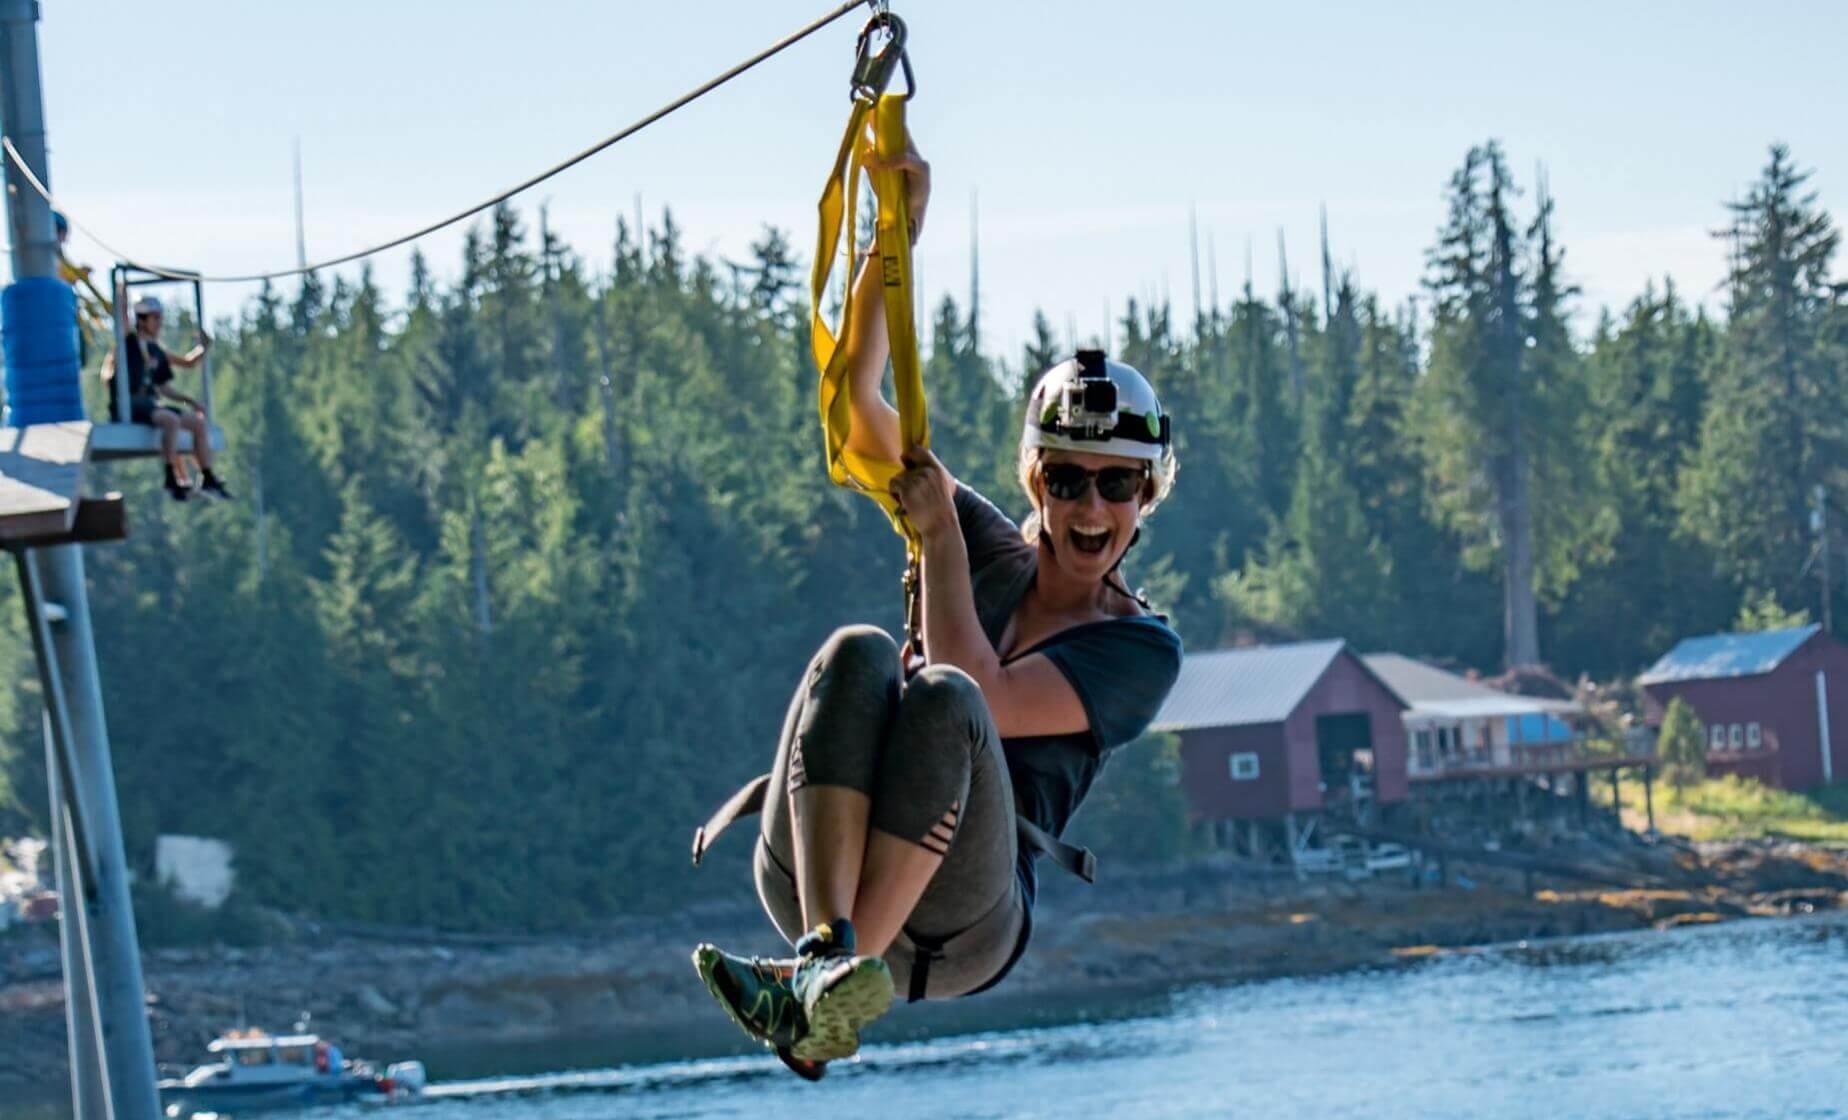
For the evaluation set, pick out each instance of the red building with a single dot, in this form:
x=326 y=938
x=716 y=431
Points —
x=1773 y=705
x=1273 y=731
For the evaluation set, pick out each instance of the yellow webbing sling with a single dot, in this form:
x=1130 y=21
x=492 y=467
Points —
x=885 y=118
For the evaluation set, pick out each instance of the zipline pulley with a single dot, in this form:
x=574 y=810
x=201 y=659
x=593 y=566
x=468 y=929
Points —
x=873 y=68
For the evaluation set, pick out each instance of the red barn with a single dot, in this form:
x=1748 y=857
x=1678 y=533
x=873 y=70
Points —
x=1773 y=705
x=1276 y=730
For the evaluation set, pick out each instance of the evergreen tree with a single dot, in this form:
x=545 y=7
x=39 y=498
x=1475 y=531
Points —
x=1495 y=417
x=1774 y=427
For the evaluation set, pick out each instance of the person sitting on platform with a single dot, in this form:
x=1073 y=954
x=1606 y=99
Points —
x=150 y=378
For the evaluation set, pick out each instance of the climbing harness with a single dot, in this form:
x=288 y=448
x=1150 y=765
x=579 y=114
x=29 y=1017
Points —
x=878 y=119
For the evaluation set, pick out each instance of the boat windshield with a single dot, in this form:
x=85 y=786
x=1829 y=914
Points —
x=253 y=1056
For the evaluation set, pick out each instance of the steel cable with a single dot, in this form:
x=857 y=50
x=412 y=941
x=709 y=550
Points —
x=678 y=103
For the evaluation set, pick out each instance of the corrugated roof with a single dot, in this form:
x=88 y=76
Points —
x=1727 y=655
x=1237 y=687
x=1433 y=691
x=1416 y=681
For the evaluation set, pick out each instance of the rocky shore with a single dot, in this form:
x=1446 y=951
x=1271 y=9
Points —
x=629 y=994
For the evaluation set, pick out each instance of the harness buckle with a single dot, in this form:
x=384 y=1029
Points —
x=873 y=69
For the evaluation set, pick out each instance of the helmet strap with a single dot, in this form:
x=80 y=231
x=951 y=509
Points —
x=1122 y=584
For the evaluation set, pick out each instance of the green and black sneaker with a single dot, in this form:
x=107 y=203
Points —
x=756 y=993
x=838 y=992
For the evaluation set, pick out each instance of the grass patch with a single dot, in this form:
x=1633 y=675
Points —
x=1733 y=808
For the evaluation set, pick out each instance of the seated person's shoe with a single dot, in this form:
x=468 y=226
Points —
x=839 y=992
x=211 y=486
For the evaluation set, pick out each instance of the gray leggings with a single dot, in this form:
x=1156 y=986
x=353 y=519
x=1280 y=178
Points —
x=924 y=751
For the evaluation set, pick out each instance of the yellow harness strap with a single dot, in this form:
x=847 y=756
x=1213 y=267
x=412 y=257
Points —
x=839 y=199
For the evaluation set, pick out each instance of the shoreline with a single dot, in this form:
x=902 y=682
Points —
x=472 y=1006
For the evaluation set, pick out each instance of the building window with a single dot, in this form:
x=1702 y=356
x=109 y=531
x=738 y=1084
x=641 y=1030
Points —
x=1244 y=766
x=1754 y=738
x=1427 y=758
x=1738 y=736
x=1716 y=737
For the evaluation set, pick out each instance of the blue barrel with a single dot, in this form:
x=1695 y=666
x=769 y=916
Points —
x=38 y=337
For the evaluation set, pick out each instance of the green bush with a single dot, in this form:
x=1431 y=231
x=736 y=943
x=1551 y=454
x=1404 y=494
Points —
x=165 y=920
x=1136 y=810
x=1682 y=747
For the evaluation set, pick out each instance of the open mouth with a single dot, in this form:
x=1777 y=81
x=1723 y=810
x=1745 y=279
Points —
x=1091 y=542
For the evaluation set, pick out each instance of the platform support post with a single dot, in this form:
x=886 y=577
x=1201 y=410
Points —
x=89 y=1082
x=99 y=925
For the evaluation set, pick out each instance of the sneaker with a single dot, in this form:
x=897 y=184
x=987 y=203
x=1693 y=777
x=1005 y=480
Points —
x=839 y=992
x=755 y=992
x=210 y=486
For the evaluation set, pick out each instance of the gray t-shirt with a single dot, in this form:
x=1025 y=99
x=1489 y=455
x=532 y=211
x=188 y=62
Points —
x=1121 y=669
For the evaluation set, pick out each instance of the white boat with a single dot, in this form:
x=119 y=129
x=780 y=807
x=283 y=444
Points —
x=249 y=1071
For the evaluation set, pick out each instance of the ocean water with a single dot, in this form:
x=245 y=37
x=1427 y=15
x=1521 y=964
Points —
x=1747 y=1019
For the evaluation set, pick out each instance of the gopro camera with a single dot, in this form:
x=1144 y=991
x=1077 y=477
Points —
x=1089 y=405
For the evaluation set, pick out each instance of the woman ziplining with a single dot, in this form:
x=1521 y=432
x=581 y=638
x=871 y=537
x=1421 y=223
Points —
x=912 y=790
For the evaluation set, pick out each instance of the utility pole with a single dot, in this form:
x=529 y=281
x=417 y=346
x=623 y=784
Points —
x=301 y=234
x=1193 y=251
x=1328 y=274
x=1819 y=523
x=975 y=274
x=107 y=1009
x=1212 y=276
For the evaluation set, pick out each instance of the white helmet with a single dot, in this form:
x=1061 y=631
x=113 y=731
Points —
x=148 y=305
x=1090 y=403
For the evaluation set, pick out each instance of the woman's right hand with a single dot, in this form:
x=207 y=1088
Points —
x=917 y=180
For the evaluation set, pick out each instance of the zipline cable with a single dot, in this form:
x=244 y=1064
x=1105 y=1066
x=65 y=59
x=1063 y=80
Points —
x=678 y=103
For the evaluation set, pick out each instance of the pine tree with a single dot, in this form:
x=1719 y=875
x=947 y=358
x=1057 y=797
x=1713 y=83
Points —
x=1774 y=426
x=1495 y=411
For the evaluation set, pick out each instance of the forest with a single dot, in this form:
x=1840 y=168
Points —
x=525 y=565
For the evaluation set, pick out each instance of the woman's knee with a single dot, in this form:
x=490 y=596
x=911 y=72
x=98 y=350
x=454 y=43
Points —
x=948 y=691
x=860 y=649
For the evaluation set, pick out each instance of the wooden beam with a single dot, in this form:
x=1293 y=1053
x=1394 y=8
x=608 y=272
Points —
x=95 y=520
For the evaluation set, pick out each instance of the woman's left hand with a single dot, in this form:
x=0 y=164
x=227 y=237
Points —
x=926 y=493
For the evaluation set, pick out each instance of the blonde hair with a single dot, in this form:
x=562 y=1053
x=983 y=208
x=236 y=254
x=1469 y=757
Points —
x=1027 y=469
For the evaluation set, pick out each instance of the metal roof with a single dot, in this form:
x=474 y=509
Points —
x=1238 y=687
x=1437 y=692
x=1717 y=656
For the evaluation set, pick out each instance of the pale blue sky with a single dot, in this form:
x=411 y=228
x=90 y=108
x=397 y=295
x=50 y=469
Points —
x=1088 y=128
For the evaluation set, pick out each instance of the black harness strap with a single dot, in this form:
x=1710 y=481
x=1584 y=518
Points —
x=927 y=949
x=744 y=803
x=1078 y=861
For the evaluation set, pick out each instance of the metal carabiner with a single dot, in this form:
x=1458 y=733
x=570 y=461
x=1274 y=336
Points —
x=873 y=69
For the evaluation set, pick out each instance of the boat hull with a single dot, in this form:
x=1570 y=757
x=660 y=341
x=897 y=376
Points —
x=186 y=1099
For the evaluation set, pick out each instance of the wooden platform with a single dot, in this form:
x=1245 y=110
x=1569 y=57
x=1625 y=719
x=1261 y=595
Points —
x=41 y=475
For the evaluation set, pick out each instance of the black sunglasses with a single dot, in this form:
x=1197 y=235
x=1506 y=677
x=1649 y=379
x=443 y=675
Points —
x=1069 y=482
